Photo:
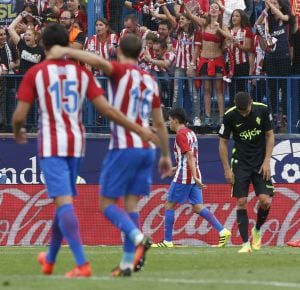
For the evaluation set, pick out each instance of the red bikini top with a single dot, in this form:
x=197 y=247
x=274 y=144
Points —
x=211 y=37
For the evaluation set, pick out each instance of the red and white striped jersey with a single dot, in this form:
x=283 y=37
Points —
x=185 y=48
x=60 y=87
x=104 y=48
x=259 y=56
x=135 y=93
x=240 y=38
x=186 y=140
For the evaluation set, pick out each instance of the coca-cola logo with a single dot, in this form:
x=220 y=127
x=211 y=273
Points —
x=25 y=221
x=26 y=216
x=282 y=225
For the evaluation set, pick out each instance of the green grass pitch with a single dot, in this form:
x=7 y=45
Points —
x=166 y=269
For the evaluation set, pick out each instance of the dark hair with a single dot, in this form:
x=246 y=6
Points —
x=131 y=17
x=242 y=100
x=165 y=22
x=178 y=114
x=244 y=19
x=53 y=34
x=162 y=42
x=72 y=15
x=191 y=28
x=131 y=46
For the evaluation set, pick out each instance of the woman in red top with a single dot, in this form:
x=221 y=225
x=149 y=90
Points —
x=212 y=57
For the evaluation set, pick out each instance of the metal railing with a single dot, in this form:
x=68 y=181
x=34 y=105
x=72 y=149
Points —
x=282 y=94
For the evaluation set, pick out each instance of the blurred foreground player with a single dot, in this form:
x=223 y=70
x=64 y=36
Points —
x=127 y=168
x=61 y=86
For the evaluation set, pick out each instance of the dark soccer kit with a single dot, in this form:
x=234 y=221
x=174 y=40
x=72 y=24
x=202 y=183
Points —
x=249 y=148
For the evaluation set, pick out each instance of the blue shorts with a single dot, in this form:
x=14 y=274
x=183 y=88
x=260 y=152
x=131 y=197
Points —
x=127 y=171
x=180 y=193
x=60 y=175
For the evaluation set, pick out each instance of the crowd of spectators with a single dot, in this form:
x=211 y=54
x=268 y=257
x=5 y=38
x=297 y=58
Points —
x=216 y=40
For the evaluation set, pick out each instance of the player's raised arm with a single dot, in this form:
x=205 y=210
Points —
x=83 y=56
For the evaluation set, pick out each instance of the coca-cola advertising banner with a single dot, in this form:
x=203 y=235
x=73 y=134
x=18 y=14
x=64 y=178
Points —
x=26 y=216
x=20 y=163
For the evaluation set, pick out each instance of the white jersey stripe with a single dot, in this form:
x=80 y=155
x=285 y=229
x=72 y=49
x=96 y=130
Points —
x=44 y=118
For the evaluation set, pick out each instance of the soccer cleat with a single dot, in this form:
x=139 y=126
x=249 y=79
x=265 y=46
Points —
x=224 y=238
x=163 y=244
x=246 y=248
x=47 y=268
x=118 y=272
x=140 y=254
x=80 y=271
x=256 y=239
x=294 y=244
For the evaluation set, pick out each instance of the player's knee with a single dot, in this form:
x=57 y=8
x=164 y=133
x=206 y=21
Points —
x=265 y=204
x=197 y=208
x=169 y=205
x=241 y=203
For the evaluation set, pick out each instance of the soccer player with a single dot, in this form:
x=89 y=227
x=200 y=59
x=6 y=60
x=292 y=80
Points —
x=60 y=86
x=187 y=183
x=127 y=168
x=252 y=131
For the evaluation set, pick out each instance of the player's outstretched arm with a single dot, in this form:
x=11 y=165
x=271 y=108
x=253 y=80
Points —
x=83 y=56
x=18 y=119
x=118 y=117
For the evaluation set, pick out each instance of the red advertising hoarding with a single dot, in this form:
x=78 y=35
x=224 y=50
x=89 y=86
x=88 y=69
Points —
x=26 y=216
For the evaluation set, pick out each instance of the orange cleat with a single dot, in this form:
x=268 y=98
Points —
x=80 y=271
x=140 y=254
x=47 y=268
x=294 y=243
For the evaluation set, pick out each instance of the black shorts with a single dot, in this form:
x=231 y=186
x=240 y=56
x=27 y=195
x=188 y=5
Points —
x=242 y=179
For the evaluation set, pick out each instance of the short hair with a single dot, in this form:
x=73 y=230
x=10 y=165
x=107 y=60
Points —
x=162 y=42
x=178 y=114
x=151 y=36
x=165 y=22
x=72 y=15
x=131 y=46
x=53 y=34
x=242 y=100
x=131 y=17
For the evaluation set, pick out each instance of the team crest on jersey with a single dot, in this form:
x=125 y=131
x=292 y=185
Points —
x=258 y=120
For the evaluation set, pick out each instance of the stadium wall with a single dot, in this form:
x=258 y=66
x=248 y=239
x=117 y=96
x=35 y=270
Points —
x=26 y=216
x=26 y=212
x=20 y=163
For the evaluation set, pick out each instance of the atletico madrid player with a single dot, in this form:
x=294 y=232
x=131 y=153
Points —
x=60 y=86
